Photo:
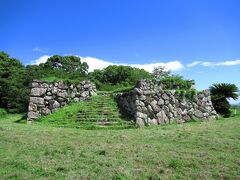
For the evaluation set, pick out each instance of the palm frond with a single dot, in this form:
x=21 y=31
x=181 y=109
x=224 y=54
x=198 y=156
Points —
x=226 y=90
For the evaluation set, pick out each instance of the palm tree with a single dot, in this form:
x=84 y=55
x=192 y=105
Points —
x=220 y=94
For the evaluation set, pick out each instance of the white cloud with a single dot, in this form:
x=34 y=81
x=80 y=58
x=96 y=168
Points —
x=41 y=50
x=208 y=64
x=40 y=60
x=95 y=63
x=194 y=63
x=172 y=65
x=229 y=63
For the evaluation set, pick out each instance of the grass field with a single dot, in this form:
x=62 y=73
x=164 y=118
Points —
x=196 y=150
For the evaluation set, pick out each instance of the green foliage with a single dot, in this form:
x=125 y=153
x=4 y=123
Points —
x=3 y=113
x=175 y=82
x=14 y=86
x=160 y=72
x=220 y=93
x=123 y=89
x=69 y=64
x=68 y=71
x=15 y=79
x=189 y=94
x=224 y=90
x=113 y=77
x=235 y=110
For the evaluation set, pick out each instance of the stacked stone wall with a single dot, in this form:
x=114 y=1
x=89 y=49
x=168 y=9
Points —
x=149 y=104
x=47 y=97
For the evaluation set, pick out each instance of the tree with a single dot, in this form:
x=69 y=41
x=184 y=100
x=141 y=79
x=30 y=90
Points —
x=69 y=64
x=14 y=87
x=220 y=94
x=114 y=74
x=160 y=72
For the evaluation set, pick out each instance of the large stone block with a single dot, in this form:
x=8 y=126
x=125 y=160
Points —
x=165 y=96
x=38 y=91
x=32 y=107
x=63 y=94
x=198 y=114
x=141 y=115
x=62 y=86
x=45 y=111
x=33 y=115
x=53 y=104
x=160 y=102
x=37 y=100
x=140 y=122
x=152 y=121
x=85 y=94
x=161 y=117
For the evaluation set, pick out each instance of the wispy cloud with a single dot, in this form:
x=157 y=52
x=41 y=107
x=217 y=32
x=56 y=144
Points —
x=194 y=63
x=41 y=50
x=95 y=63
x=212 y=64
x=172 y=65
x=206 y=64
x=229 y=63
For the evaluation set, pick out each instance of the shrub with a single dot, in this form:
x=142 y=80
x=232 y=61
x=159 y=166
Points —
x=175 y=82
x=3 y=113
x=115 y=76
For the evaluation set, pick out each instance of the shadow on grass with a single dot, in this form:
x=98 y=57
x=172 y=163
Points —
x=22 y=120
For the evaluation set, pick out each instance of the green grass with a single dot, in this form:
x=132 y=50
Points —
x=196 y=150
x=89 y=115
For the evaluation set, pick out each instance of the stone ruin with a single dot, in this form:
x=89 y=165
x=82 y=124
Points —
x=47 y=97
x=149 y=104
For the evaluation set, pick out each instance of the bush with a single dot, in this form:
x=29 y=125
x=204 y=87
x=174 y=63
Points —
x=113 y=77
x=222 y=106
x=3 y=113
x=175 y=82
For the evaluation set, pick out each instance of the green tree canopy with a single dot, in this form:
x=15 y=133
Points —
x=114 y=74
x=67 y=63
x=14 y=87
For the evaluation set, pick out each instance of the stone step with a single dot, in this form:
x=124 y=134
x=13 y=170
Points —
x=104 y=93
x=96 y=114
x=97 y=119
x=93 y=106
x=102 y=105
x=102 y=100
x=99 y=110
x=112 y=103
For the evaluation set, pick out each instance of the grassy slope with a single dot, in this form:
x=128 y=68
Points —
x=87 y=115
x=198 y=150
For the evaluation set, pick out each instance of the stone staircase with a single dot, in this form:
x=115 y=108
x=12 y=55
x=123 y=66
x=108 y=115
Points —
x=101 y=112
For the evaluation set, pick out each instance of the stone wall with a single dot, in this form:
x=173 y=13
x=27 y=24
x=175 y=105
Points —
x=149 y=104
x=46 y=97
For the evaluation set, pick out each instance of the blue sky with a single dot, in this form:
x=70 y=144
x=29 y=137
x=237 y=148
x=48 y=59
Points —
x=198 y=39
